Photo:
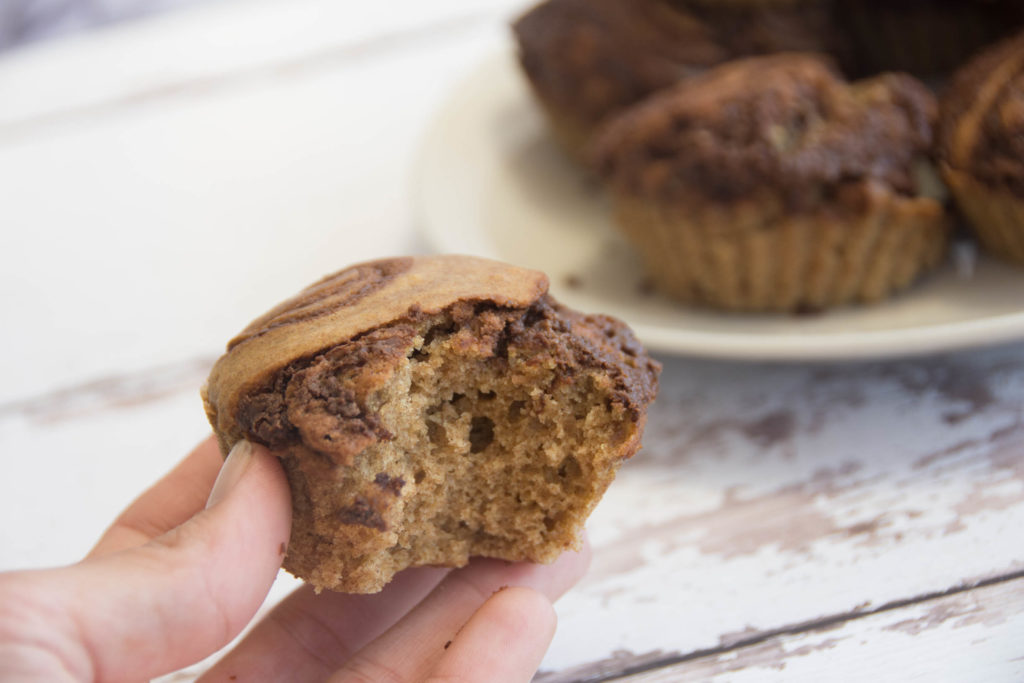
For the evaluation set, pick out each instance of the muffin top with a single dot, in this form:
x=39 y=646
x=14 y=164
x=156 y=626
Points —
x=349 y=304
x=785 y=124
x=594 y=57
x=597 y=56
x=362 y=322
x=982 y=127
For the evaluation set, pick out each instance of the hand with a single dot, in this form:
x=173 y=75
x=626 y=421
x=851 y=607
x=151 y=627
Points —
x=185 y=568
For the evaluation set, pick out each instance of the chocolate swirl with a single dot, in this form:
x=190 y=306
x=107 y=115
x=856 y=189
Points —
x=595 y=57
x=336 y=291
x=785 y=123
x=983 y=117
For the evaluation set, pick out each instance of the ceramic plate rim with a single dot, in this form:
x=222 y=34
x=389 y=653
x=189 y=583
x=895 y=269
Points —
x=815 y=346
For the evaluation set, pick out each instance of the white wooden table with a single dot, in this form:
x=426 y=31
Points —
x=162 y=182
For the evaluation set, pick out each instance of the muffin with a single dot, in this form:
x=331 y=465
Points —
x=772 y=184
x=928 y=38
x=981 y=147
x=586 y=60
x=431 y=409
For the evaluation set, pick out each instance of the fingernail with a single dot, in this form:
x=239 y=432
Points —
x=231 y=472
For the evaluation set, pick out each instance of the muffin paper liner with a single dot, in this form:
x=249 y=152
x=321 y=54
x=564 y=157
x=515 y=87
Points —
x=757 y=256
x=996 y=216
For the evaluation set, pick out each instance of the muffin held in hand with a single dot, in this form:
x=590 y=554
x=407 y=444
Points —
x=981 y=145
x=772 y=184
x=431 y=409
x=588 y=59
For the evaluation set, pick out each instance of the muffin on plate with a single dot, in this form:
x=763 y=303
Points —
x=586 y=60
x=772 y=184
x=431 y=409
x=981 y=147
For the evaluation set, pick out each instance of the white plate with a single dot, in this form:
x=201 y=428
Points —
x=490 y=182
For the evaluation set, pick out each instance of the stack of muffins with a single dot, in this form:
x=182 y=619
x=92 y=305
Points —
x=747 y=170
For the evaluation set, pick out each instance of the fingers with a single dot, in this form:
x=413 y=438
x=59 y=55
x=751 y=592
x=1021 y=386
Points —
x=170 y=502
x=416 y=643
x=144 y=611
x=308 y=636
x=504 y=641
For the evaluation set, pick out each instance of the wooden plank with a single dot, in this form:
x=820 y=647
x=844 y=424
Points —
x=975 y=635
x=768 y=497
x=205 y=47
x=71 y=470
x=153 y=233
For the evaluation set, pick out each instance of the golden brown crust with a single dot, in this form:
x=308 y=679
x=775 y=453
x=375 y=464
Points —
x=334 y=292
x=385 y=290
x=324 y=402
x=786 y=123
x=589 y=59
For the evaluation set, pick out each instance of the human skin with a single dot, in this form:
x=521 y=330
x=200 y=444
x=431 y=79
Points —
x=183 y=570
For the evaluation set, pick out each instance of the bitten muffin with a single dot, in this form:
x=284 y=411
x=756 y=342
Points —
x=981 y=147
x=431 y=409
x=586 y=60
x=772 y=184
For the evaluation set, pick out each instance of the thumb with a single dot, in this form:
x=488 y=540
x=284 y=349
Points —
x=142 y=612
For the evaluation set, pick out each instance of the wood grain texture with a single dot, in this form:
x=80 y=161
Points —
x=970 y=636
x=169 y=224
x=87 y=77
x=768 y=500
x=770 y=497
